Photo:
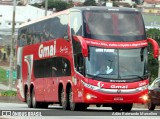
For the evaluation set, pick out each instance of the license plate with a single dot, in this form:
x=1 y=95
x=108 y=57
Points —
x=118 y=99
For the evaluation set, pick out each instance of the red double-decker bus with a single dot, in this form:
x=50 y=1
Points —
x=83 y=56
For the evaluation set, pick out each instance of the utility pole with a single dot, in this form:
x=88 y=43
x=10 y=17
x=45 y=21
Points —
x=12 y=47
x=46 y=7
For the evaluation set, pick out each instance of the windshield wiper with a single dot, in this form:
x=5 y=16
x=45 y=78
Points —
x=141 y=77
x=97 y=75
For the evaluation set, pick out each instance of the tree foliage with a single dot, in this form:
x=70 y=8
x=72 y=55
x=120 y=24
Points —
x=153 y=63
x=57 y=4
x=89 y=3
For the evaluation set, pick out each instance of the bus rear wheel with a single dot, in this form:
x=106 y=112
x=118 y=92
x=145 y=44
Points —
x=64 y=100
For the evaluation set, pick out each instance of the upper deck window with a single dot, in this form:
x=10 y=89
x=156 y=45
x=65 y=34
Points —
x=113 y=26
x=76 y=23
x=44 y=30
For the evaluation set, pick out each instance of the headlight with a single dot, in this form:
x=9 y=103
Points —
x=142 y=88
x=144 y=97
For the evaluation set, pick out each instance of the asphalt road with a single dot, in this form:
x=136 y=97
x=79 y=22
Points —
x=21 y=111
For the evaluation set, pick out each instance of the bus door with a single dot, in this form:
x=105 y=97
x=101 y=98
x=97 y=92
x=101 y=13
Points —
x=79 y=75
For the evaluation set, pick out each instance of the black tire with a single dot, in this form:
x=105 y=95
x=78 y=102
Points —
x=28 y=99
x=43 y=105
x=151 y=106
x=116 y=108
x=64 y=100
x=35 y=104
x=98 y=105
x=83 y=107
x=127 y=107
x=60 y=103
x=73 y=106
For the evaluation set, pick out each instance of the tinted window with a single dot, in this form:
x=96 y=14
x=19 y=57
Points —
x=113 y=26
x=22 y=37
x=53 y=67
x=44 y=30
x=117 y=64
x=76 y=23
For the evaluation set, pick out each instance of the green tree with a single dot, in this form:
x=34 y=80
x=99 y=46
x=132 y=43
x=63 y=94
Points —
x=153 y=63
x=57 y=4
x=89 y=3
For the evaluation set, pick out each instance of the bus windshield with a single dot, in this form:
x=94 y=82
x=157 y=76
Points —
x=104 y=64
x=113 y=25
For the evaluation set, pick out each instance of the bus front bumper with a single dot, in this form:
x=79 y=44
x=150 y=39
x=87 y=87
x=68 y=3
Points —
x=94 y=97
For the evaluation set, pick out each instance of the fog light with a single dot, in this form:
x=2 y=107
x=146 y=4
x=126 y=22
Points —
x=144 y=97
x=89 y=96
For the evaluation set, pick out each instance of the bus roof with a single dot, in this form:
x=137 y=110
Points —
x=103 y=8
x=85 y=8
x=45 y=17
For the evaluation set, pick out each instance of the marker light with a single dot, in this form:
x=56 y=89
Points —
x=89 y=96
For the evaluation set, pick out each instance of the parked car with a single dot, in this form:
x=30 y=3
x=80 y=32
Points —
x=154 y=94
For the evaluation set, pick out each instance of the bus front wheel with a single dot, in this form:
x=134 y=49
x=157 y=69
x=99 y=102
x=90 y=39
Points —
x=28 y=99
x=35 y=104
x=127 y=107
x=116 y=108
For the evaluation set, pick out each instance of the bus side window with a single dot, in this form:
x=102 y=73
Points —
x=79 y=63
x=66 y=69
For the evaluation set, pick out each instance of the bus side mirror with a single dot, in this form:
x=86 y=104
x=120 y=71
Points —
x=83 y=45
x=155 y=47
